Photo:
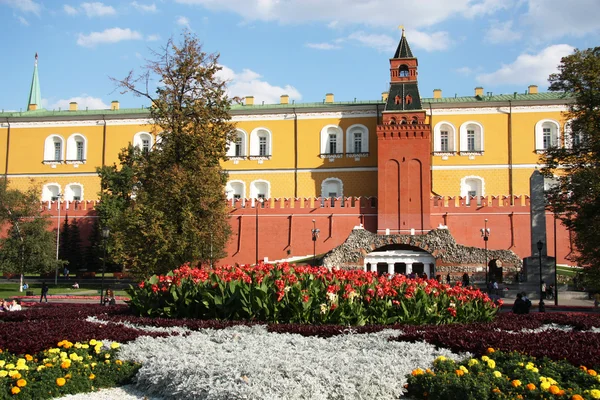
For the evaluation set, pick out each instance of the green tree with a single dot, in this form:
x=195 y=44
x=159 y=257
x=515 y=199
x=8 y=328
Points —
x=167 y=206
x=576 y=165
x=29 y=246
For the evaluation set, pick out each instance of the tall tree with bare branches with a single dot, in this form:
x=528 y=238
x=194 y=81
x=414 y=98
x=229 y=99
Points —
x=166 y=207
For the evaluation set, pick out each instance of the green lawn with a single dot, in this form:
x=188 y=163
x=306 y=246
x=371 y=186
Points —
x=8 y=290
x=567 y=271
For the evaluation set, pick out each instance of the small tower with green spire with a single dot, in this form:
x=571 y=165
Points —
x=35 y=96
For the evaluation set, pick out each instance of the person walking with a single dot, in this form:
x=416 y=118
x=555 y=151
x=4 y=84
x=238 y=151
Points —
x=44 y=292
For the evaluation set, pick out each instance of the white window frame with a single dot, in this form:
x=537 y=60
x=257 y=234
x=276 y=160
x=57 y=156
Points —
x=539 y=134
x=69 y=194
x=260 y=188
x=351 y=151
x=238 y=134
x=138 y=140
x=49 y=158
x=71 y=157
x=479 y=139
x=437 y=139
x=569 y=138
x=48 y=191
x=325 y=193
x=325 y=149
x=255 y=144
x=230 y=189
x=465 y=188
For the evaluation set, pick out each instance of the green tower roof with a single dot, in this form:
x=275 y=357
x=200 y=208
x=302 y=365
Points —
x=403 y=50
x=35 y=95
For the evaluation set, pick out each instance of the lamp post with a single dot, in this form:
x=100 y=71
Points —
x=315 y=236
x=105 y=234
x=540 y=246
x=59 y=196
x=485 y=234
x=256 y=206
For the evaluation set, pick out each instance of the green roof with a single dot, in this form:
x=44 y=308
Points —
x=35 y=95
x=500 y=97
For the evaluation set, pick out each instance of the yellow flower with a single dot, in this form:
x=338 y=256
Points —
x=77 y=345
x=546 y=385
x=535 y=370
x=463 y=369
x=40 y=367
x=15 y=390
x=2 y=362
x=92 y=376
x=60 y=381
x=65 y=364
x=21 y=361
x=516 y=383
x=530 y=366
x=114 y=345
x=21 y=383
x=440 y=358
x=93 y=342
x=63 y=354
x=485 y=358
x=107 y=355
x=14 y=374
x=85 y=346
x=10 y=366
x=595 y=393
x=3 y=373
x=491 y=363
x=472 y=362
x=497 y=374
x=106 y=361
x=93 y=365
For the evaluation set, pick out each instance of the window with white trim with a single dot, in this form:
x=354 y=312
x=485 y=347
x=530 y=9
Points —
x=331 y=188
x=260 y=189
x=237 y=147
x=50 y=192
x=546 y=135
x=471 y=138
x=143 y=141
x=261 y=144
x=332 y=142
x=236 y=190
x=53 y=150
x=472 y=186
x=444 y=138
x=572 y=139
x=74 y=192
x=357 y=141
x=76 y=149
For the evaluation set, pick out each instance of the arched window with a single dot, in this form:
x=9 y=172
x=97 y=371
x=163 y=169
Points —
x=471 y=138
x=403 y=121
x=260 y=144
x=260 y=189
x=415 y=120
x=74 y=192
x=444 y=138
x=237 y=147
x=76 y=149
x=53 y=149
x=236 y=190
x=331 y=141
x=143 y=141
x=573 y=140
x=50 y=192
x=472 y=186
x=357 y=140
x=546 y=135
x=331 y=188
x=393 y=121
x=403 y=70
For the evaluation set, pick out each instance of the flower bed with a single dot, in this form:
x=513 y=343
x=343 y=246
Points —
x=300 y=294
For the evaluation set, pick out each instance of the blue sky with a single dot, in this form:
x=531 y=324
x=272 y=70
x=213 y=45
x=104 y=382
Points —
x=303 y=48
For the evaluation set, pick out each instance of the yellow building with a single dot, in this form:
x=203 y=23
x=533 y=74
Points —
x=482 y=144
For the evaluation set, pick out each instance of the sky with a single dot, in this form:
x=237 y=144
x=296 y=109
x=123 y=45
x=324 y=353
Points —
x=302 y=48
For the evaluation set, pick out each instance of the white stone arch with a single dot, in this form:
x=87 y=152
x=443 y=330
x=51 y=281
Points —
x=255 y=137
x=73 y=192
x=479 y=137
x=444 y=126
x=241 y=135
x=472 y=185
x=140 y=138
x=390 y=258
x=351 y=146
x=50 y=191
x=325 y=142
x=554 y=128
x=571 y=139
x=49 y=148
x=72 y=147
x=158 y=142
x=332 y=185
x=235 y=189
x=260 y=188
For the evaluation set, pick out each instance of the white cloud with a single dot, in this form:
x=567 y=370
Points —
x=550 y=19
x=183 y=21
x=383 y=13
x=83 y=101
x=430 y=41
x=249 y=83
x=487 y=7
x=97 y=9
x=381 y=43
x=23 y=21
x=153 y=38
x=112 y=35
x=322 y=46
x=150 y=8
x=502 y=32
x=529 y=68
x=26 y=6
x=466 y=71
x=70 y=10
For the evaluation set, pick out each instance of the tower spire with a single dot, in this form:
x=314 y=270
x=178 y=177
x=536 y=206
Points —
x=35 y=96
